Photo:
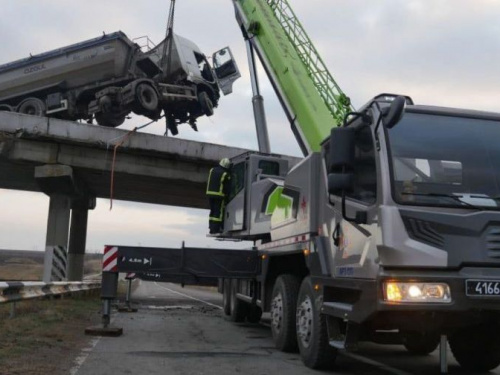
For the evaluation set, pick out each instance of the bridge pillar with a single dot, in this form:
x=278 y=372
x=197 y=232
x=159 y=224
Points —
x=78 y=237
x=66 y=193
x=57 y=235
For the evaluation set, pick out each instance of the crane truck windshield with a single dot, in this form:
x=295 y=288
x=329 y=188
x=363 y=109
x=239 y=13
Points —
x=446 y=161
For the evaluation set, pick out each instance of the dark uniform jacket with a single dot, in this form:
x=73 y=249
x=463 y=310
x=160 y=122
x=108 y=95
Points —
x=218 y=182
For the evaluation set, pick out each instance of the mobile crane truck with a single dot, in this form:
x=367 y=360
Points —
x=387 y=231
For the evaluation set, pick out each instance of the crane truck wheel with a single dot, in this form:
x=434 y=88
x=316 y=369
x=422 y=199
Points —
x=207 y=107
x=6 y=108
x=238 y=308
x=32 y=106
x=312 y=334
x=283 y=306
x=147 y=97
x=477 y=348
x=226 y=297
x=420 y=343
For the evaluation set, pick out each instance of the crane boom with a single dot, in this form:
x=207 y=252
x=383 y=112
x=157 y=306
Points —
x=313 y=101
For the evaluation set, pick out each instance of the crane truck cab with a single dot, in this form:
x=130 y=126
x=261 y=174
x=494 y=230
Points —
x=389 y=234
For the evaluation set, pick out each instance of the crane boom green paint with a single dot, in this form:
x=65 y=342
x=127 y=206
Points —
x=312 y=99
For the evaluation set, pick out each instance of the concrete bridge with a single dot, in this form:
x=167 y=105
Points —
x=72 y=162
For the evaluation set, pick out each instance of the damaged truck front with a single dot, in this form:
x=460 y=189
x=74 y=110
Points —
x=106 y=78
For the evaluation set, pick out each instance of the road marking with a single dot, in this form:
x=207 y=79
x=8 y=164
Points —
x=185 y=295
x=371 y=362
x=80 y=360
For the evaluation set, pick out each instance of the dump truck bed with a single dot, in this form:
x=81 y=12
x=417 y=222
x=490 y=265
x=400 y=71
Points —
x=100 y=59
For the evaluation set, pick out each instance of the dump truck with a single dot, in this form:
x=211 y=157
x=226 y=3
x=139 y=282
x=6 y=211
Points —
x=108 y=77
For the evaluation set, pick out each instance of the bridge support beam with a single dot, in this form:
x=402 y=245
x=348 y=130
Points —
x=78 y=237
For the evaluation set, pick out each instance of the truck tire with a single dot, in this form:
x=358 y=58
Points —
x=283 y=309
x=312 y=334
x=6 y=108
x=207 y=107
x=109 y=119
x=147 y=97
x=420 y=343
x=32 y=106
x=226 y=297
x=238 y=309
x=477 y=348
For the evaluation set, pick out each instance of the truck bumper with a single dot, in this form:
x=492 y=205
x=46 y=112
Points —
x=360 y=301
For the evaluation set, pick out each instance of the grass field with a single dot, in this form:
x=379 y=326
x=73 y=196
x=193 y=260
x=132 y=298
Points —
x=28 y=265
x=45 y=335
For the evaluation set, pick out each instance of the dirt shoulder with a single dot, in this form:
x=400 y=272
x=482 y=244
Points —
x=45 y=337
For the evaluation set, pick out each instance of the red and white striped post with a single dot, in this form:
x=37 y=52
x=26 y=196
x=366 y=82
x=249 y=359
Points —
x=109 y=281
x=109 y=286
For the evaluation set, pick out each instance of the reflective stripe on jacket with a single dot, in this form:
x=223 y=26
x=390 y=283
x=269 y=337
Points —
x=218 y=182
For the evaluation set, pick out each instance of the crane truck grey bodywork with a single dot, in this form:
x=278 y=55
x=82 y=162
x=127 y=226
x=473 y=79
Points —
x=389 y=234
x=108 y=77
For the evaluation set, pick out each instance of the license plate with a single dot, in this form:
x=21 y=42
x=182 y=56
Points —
x=484 y=288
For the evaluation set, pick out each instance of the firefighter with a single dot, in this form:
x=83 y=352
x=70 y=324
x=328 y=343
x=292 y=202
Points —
x=218 y=186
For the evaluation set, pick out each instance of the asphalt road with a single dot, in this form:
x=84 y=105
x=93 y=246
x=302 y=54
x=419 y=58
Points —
x=182 y=331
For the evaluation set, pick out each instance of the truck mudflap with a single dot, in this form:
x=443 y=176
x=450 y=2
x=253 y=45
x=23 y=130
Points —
x=360 y=300
x=187 y=265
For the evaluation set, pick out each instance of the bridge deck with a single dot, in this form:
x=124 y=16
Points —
x=149 y=168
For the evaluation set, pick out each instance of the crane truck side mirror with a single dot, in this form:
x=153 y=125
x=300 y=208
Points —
x=339 y=183
x=341 y=152
x=393 y=114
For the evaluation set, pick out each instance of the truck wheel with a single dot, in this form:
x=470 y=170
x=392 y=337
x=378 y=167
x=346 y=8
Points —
x=477 y=348
x=147 y=97
x=312 y=334
x=420 y=343
x=6 y=108
x=32 y=106
x=207 y=107
x=226 y=297
x=109 y=119
x=283 y=306
x=238 y=309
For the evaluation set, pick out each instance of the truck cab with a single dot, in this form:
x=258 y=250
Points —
x=411 y=228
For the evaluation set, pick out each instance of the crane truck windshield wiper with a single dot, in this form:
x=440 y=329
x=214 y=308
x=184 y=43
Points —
x=456 y=198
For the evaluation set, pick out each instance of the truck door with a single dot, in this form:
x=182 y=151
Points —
x=355 y=243
x=225 y=69
x=235 y=211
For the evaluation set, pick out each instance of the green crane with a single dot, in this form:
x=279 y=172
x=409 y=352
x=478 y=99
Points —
x=313 y=101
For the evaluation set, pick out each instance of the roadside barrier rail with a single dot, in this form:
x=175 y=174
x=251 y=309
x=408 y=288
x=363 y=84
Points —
x=12 y=291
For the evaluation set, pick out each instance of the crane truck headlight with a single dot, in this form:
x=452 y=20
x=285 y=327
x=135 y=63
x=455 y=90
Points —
x=395 y=291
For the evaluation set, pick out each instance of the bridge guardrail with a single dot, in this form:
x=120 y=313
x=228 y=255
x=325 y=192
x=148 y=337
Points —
x=12 y=291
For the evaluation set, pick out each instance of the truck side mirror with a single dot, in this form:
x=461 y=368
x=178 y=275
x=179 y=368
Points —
x=393 y=114
x=340 y=182
x=341 y=156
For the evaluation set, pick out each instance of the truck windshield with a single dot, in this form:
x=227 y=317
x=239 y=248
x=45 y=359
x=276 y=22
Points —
x=445 y=161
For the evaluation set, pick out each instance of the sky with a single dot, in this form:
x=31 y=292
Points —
x=439 y=52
